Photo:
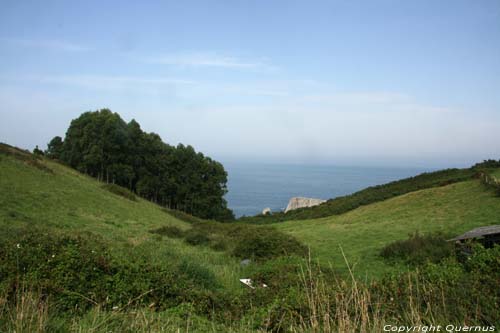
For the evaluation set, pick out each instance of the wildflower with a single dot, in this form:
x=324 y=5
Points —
x=53 y=255
x=18 y=245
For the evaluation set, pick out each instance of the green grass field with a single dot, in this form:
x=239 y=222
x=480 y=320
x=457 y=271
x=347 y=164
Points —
x=361 y=233
x=65 y=200
x=43 y=194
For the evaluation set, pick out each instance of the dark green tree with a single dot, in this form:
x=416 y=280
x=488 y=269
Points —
x=102 y=145
x=55 y=148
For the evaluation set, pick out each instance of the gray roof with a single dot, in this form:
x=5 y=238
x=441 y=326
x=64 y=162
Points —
x=479 y=232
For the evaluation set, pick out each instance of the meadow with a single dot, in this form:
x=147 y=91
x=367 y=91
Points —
x=82 y=256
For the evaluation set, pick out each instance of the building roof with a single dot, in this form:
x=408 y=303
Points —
x=479 y=232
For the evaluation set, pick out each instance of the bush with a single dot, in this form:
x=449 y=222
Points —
x=238 y=239
x=419 y=249
x=196 y=237
x=121 y=191
x=169 y=231
x=267 y=244
x=77 y=272
x=447 y=292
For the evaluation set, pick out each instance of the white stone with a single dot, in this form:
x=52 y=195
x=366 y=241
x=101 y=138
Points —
x=300 y=202
x=267 y=211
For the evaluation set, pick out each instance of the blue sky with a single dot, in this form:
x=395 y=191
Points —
x=340 y=82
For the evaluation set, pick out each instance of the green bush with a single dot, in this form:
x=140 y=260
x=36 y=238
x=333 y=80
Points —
x=169 y=231
x=266 y=244
x=238 y=239
x=77 y=272
x=419 y=249
x=196 y=237
x=447 y=291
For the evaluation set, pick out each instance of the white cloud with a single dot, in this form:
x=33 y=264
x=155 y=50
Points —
x=104 y=82
x=45 y=44
x=206 y=59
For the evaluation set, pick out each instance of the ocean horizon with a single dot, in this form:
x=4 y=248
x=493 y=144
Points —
x=255 y=186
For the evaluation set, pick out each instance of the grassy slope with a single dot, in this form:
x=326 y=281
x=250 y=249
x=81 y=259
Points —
x=361 y=233
x=67 y=200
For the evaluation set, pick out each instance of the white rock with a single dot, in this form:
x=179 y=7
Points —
x=300 y=202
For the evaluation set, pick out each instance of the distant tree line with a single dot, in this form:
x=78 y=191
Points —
x=103 y=145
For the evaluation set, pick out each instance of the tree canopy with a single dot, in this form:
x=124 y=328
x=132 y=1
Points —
x=103 y=145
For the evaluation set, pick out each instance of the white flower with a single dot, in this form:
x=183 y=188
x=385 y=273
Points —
x=18 y=245
x=53 y=255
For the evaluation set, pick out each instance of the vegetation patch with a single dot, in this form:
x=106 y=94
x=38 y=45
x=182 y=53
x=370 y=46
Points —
x=121 y=191
x=238 y=239
x=101 y=144
x=183 y=216
x=419 y=249
x=26 y=157
x=78 y=272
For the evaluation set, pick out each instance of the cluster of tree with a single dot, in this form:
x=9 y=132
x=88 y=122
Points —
x=103 y=145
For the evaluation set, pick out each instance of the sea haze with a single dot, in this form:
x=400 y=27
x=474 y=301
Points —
x=253 y=187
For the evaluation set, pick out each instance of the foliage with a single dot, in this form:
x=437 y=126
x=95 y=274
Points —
x=268 y=244
x=55 y=148
x=240 y=240
x=490 y=180
x=102 y=145
x=78 y=271
x=169 y=231
x=419 y=249
x=370 y=195
x=487 y=164
x=37 y=151
x=448 y=291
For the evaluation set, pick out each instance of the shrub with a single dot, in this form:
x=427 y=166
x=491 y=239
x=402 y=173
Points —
x=169 y=231
x=196 y=237
x=419 y=249
x=121 y=191
x=77 y=272
x=267 y=243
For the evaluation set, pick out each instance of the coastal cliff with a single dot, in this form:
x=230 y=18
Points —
x=300 y=202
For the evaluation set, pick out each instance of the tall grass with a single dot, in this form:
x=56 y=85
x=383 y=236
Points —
x=28 y=313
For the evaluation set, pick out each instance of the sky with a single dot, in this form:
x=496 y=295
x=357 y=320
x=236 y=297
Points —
x=409 y=83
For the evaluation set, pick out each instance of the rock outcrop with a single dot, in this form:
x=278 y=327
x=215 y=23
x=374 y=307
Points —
x=299 y=202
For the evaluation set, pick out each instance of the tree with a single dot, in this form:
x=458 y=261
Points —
x=37 y=151
x=55 y=148
x=102 y=145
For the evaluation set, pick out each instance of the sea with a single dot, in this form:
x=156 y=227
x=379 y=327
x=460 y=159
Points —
x=253 y=186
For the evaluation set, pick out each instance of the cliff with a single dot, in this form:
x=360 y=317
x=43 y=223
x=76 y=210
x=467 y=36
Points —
x=299 y=202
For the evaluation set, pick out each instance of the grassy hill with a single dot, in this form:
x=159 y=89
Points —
x=451 y=209
x=42 y=193
x=168 y=271
x=369 y=195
